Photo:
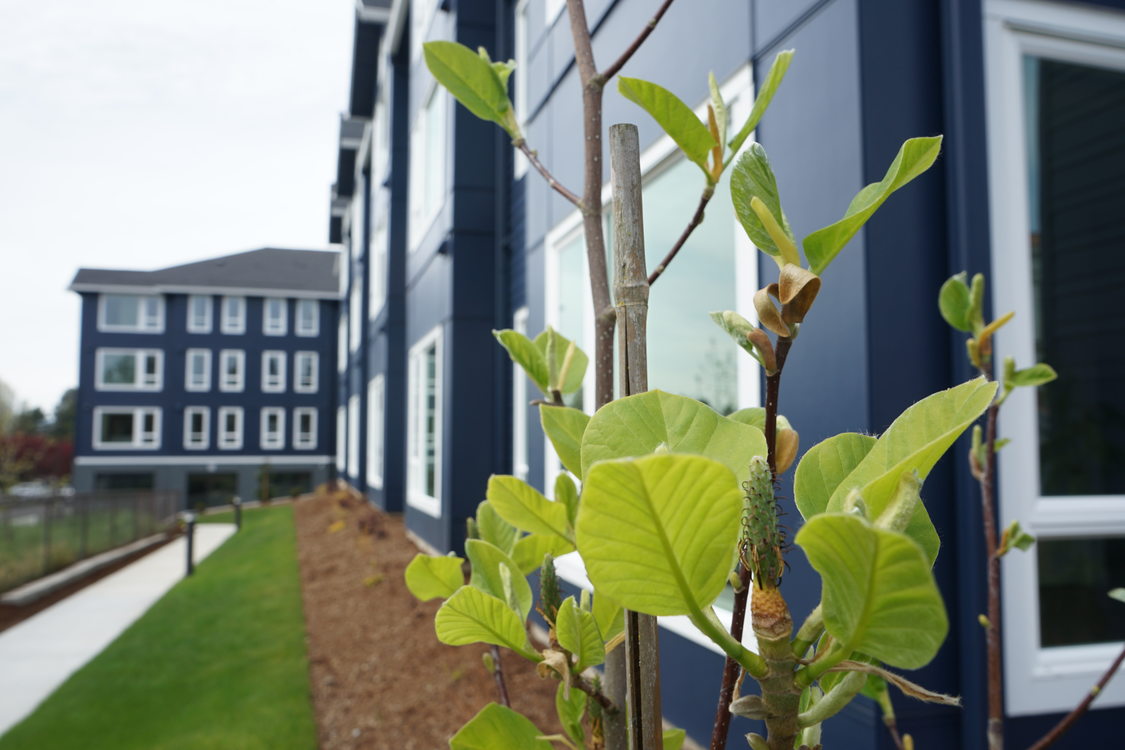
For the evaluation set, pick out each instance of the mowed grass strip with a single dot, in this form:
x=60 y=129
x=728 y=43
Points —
x=218 y=662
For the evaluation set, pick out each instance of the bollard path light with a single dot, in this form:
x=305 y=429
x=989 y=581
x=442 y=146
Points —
x=237 y=502
x=189 y=521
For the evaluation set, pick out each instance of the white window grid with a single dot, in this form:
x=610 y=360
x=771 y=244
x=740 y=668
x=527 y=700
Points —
x=201 y=381
x=199 y=313
x=304 y=439
x=148 y=369
x=375 y=428
x=273 y=371
x=232 y=370
x=275 y=316
x=230 y=427
x=197 y=439
x=146 y=427
x=306 y=376
x=233 y=315
x=272 y=426
x=308 y=317
x=417 y=437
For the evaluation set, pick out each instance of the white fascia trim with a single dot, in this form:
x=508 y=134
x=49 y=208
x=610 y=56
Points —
x=372 y=15
x=219 y=460
x=233 y=291
x=396 y=23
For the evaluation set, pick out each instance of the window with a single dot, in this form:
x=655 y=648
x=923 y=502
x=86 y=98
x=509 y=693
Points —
x=131 y=313
x=377 y=279
x=421 y=16
x=341 y=438
x=519 y=405
x=199 y=314
x=375 y=410
x=273 y=428
x=307 y=365
x=353 y=437
x=230 y=427
x=423 y=469
x=275 y=318
x=197 y=370
x=129 y=369
x=342 y=344
x=232 y=369
x=355 y=316
x=197 y=427
x=1056 y=122
x=121 y=427
x=427 y=164
x=234 y=315
x=308 y=317
x=304 y=427
x=273 y=372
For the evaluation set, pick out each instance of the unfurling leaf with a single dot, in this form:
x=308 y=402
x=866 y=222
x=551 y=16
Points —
x=567 y=493
x=565 y=362
x=748 y=336
x=955 y=303
x=762 y=100
x=1035 y=375
x=430 y=577
x=749 y=707
x=753 y=178
x=497 y=726
x=570 y=705
x=1118 y=594
x=1014 y=536
x=719 y=107
x=578 y=633
x=673 y=116
x=768 y=313
x=526 y=354
x=564 y=427
x=796 y=291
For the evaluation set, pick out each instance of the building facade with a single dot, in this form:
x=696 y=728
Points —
x=448 y=236
x=212 y=378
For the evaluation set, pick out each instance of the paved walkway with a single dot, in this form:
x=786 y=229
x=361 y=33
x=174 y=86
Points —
x=39 y=654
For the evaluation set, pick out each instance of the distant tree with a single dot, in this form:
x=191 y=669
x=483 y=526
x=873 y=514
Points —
x=29 y=422
x=7 y=406
x=62 y=425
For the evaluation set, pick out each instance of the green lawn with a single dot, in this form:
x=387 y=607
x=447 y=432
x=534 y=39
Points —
x=219 y=662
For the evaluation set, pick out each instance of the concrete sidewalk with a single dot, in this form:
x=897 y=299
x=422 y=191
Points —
x=37 y=655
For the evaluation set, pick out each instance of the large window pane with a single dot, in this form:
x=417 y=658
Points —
x=121 y=310
x=117 y=428
x=1074 y=577
x=119 y=369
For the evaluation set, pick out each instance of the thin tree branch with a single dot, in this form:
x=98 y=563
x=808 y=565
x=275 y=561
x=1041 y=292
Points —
x=992 y=632
x=580 y=683
x=696 y=220
x=618 y=64
x=558 y=187
x=498 y=675
x=1080 y=709
x=583 y=46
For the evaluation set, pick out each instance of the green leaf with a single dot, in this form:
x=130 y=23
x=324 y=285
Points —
x=673 y=116
x=430 y=577
x=763 y=99
x=530 y=550
x=739 y=329
x=470 y=78
x=914 y=158
x=955 y=303
x=564 y=426
x=525 y=354
x=609 y=615
x=472 y=616
x=824 y=466
x=753 y=178
x=755 y=416
x=494 y=529
x=673 y=739
x=722 y=116
x=524 y=507
x=567 y=493
x=570 y=710
x=563 y=357
x=495 y=727
x=669 y=521
x=578 y=633
x=494 y=573
x=1117 y=594
x=1035 y=375
x=879 y=596
x=637 y=425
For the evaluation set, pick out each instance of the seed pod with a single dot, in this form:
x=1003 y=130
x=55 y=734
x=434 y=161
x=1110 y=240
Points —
x=549 y=597
x=760 y=548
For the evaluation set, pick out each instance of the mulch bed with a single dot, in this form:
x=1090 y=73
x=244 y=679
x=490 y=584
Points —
x=379 y=676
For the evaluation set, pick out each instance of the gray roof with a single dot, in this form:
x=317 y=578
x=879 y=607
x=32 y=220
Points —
x=308 y=273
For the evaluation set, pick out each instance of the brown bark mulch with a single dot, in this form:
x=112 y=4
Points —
x=379 y=676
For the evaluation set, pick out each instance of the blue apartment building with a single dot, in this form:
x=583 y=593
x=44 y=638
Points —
x=210 y=378
x=447 y=235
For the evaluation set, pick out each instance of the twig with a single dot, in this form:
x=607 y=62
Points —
x=558 y=187
x=696 y=220
x=580 y=683
x=992 y=632
x=614 y=69
x=498 y=675
x=1080 y=709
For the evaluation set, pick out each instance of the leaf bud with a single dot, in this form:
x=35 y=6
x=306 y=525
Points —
x=489 y=662
x=550 y=598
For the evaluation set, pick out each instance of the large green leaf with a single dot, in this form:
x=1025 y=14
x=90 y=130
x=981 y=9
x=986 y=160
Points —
x=762 y=100
x=657 y=533
x=471 y=78
x=570 y=709
x=578 y=633
x=526 y=354
x=637 y=425
x=530 y=550
x=494 y=573
x=497 y=727
x=879 y=596
x=565 y=361
x=430 y=577
x=564 y=426
x=914 y=442
x=566 y=492
x=609 y=615
x=824 y=466
x=494 y=529
x=914 y=158
x=673 y=116
x=753 y=178
x=472 y=616
x=524 y=507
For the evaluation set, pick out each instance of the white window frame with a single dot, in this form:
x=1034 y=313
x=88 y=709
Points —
x=230 y=441
x=415 y=495
x=314 y=328
x=206 y=324
x=553 y=9
x=341 y=438
x=298 y=386
x=272 y=325
x=141 y=439
x=522 y=34
x=190 y=443
x=355 y=318
x=520 y=468
x=268 y=385
x=239 y=384
x=342 y=341
x=377 y=276
x=376 y=410
x=422 y=217
x=301 y=440
x=233 y=315
x=139 y=361
x=422 y=14
x=353 y=437
x=189 y=384
x=1039 y=680
x=148 y=321
x=738 y=92
x=275 y=439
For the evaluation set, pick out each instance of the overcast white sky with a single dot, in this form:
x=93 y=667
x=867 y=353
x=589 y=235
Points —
x=141 y=134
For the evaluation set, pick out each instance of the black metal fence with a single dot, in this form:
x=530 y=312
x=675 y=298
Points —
x=41 y=535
